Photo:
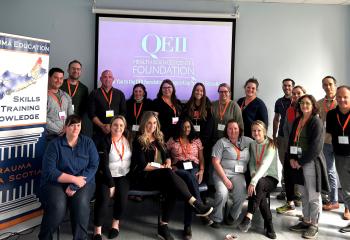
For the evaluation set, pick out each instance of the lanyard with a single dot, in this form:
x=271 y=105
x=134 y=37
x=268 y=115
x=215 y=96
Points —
x=59 y=101
x=222 y=112
x=238 y=151
x=110 y=97
x=70 y=91
x=196 y=115
x=169 y=104
x=345 y=124
x=186 y=148
x=259 y=158
x=298 y=131
x=121 y=155
x=138 y=113
x=326 y=109
x=244 y=105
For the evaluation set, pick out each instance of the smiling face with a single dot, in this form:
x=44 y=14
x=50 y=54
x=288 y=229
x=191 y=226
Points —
x=117 y=127
x=329 y=87
x=74 y=71
x=138 y=93
x=343 y=99
x=258 y=133
x=198 y=92
x=107 y=79
x=151 y=125
x=233 y=131
x=250 y=90
x=167 y=90
x=73 y=130
x=224 y=94
x=56 y=80
x=186 y=129
x=287 y=87
x=306 y=106
x=297 y=93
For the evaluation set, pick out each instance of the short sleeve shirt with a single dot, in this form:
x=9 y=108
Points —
x=184 y=153
x=281 y=107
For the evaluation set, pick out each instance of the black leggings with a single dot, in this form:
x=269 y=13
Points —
x=122 y=186
x=169 y=184
x=263 y=188
x=289 y=175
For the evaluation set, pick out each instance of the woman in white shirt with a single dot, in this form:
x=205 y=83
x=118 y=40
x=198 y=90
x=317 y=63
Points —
x=111 y=177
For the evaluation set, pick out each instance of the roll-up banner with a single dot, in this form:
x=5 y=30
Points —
x=24 y=63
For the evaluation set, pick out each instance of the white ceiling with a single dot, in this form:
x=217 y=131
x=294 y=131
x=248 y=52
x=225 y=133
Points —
x=333 y=2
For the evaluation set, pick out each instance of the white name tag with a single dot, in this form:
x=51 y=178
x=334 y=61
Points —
x=295 y=150
x=135 y=128
x=239 y=169
x=343 y=139
x=62 y=115
x=197 y=128
x=73 y=107
x=156 y=165
x=221 y=127
x=175 y=120
x=110 y=113
x=188 y=165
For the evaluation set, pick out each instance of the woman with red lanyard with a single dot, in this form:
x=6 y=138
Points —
x=252 y=107
x=293 y=197
x=186 y=152
x=136 y=105
x=168 y=108
x=264 y=173
x=111 y=178
x=305 y=155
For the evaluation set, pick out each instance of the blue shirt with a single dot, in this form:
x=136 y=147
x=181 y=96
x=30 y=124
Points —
x=59 y=157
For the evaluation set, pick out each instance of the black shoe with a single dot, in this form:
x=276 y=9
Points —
x=97 y=237
x=245 y=224
x=163 y=232
x=281 y=196
x=187 y=233
x=206 y=221
x=113 y=233
x=269 y=231
x=201 y=209
x=215 y=225
x=229 y=220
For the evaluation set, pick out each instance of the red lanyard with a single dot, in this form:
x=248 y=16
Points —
x=121 y=155
x=110 y=97
x=186 y=148
x=138 y=113
x=59 y=101
x=170 y=105
x=259 y=158
x=326 y=109
x=75 y=90
x=345 y=124
x=244 y=105
x=238 y=151
x=222 y=112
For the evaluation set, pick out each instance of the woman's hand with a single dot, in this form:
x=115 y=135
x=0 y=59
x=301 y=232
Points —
x=199 y=176
x=294 y=164
x=70 y=192
x=251 y=190
x=80 y=181
x=228 y=183
x=167 y=163
x=111 y=192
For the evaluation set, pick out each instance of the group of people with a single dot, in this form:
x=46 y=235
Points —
x=165 y=145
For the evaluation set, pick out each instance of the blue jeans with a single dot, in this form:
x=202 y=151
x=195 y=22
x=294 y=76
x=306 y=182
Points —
x=332 y=174
x=55 y=203
x=189 y=177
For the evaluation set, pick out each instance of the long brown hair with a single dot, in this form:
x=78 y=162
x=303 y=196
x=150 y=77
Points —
x=158 y=135
x=203 y=106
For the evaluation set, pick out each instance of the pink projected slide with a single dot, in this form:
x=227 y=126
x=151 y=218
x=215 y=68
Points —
x=148 y=51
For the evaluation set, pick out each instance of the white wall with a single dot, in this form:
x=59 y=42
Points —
x=273 y=41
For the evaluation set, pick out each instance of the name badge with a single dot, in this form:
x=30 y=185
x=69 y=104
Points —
x=110 y=113
x=221 y=127
x=62 y=115
x=73 y=107
x=175 y=120
x=188 y=165
x=239 y=169
x=343 y=139
x=135 y=128
x=156 y=165
x=295 y=150
x=197 y=128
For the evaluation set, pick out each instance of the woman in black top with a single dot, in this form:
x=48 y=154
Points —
x=151 y=167
x=168 y=108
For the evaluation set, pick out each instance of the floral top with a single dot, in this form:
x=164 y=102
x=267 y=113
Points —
x=184 y=152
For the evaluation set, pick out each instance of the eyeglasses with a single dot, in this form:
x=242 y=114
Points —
x=305 y=103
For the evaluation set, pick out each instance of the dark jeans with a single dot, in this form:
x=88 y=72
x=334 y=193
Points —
x=189 y=177
x=262 y=189
x=169 y=184
x=55 y=203
x=289 y=183
x=122 y=186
